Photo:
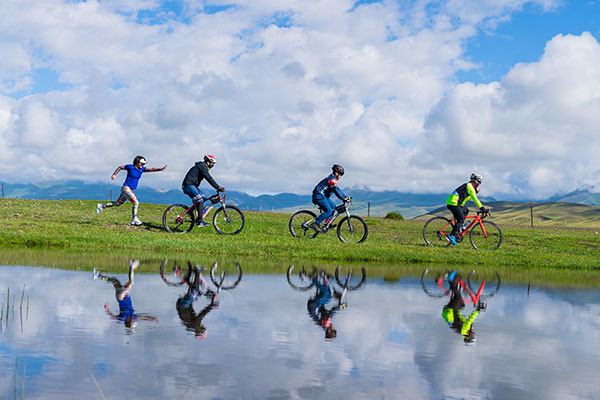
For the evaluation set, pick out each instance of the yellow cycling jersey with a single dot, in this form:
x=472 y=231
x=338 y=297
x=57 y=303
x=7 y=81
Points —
x=462 y=194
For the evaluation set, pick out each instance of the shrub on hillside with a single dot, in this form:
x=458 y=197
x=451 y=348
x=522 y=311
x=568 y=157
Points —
x=394 y=215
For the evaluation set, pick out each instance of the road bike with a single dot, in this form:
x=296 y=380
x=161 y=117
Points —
x=227 y=219
x=475 y=290
x=301 y=279
x=351 y=228
x=484 y=235
x=224 y=277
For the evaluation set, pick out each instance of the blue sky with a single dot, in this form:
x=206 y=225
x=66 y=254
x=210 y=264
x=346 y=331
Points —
x=430 y=90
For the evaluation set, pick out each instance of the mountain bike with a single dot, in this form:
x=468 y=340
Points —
x=348 y=279
x=224 y=277
x=484 y=235
x=435 y=284
x=351 y=228
x=227 y=220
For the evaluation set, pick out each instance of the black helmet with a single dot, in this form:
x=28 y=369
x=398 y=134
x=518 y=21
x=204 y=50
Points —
x=139 y=159
x=338 y=168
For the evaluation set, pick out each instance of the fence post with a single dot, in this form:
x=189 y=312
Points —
x=368 y=209
x=531 y=216
x=110 y=194
x=3 y=190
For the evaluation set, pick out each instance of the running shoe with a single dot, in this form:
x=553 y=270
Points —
x=452 y=240
x=136 y=221
x=202 y=224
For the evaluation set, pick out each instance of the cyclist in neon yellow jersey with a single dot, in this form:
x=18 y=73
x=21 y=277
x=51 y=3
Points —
x=457 y=200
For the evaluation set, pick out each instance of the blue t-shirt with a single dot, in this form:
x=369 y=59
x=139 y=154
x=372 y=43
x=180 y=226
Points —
x=133 y=176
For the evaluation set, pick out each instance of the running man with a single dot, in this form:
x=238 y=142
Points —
x=322 y=192
x=192 y=180
x=457 y=200
x=134 y=173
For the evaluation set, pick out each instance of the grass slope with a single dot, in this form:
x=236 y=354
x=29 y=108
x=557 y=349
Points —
x=73 y=226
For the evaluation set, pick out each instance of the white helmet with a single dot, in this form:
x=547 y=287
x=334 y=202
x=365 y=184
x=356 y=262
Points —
x=476 y=177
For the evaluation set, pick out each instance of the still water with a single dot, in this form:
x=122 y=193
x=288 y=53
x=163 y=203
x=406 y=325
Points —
x=66 y=340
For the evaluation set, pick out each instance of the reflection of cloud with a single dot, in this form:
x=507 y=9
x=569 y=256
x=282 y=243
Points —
x=261 y=341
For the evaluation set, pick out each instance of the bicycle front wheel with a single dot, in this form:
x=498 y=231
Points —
x=228 y=220
x=436 y=231
x=490 y=282
x=352 y=230
x=299 y=224
x=226 y=276
x=486 y=237
x=172 y=274
x=178 y=219
x=350 y=278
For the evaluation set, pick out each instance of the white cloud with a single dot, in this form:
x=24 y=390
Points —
x=278 y=105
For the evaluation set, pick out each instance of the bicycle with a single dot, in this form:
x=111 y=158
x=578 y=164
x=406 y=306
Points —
x=303 y=280
x=485 y=289
x=223 y=277
x=227 y=220
x=484 y=235
x=351 y=228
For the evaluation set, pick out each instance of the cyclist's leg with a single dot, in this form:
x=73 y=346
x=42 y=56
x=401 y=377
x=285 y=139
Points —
x=457 y=212
x=326 y=206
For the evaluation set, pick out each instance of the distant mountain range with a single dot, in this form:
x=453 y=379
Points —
x=365 y=202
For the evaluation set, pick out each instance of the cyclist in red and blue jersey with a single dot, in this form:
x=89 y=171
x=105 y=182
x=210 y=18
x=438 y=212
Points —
x=457 y=200
x=192 y=180
x=316 y=306
x=322 y=192
x=134 y=173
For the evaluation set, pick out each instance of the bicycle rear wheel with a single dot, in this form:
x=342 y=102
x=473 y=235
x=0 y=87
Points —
x=350 y=278
x=299 y=224
x=490 y=241
x=228 y=220
x=300 y=278
x=173 y=274
x=436 y=231
x=226 y=276
x=434 y=283
x=178 y=218
x=352 y=230
x=492 y=283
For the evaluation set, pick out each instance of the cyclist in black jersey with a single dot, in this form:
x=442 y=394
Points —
x=192 y=180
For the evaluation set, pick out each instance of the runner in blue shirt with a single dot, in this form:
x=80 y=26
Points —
x=134 y=173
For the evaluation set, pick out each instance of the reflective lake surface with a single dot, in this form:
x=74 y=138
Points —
x=64 y=335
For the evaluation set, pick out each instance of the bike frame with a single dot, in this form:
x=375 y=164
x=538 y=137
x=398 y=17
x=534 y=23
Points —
x=477 y=219
x=473 y=298
x=335 y=215
x=206 y=210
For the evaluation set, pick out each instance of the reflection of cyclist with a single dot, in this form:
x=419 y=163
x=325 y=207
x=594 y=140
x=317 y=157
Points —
x=134 y=173
x=127 y=314
x=185 y=307
x=452 y=315
x=457 y=200
x=192 y=180
x=316 y=306
x=322 y=192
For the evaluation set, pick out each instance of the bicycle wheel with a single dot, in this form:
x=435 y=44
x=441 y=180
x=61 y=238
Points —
x=228 y=220
x=434 y=283
x=436 y=231
x=226 y=276
x=350 y=278
x=178 y=219
x=299 y=278
x=299 y=224
x=490 y=241
x=172 y=274
x=491 y=287
x=352 y=230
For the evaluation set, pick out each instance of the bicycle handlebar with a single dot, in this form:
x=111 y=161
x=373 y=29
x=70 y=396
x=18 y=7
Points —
x=484 y=214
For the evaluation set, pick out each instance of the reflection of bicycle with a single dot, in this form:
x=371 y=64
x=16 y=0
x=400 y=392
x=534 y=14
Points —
x=348 y=279
x=484 y=235
x=224 y=277
x=351 y=228
x=435 y=284
x=227 y=220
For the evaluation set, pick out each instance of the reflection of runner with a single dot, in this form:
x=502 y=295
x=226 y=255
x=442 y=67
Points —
x=127 y=314
x=452 y=315
x=185 y=304
x=316 y=306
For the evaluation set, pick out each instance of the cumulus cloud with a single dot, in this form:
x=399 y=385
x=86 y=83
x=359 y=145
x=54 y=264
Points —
x=532 y=131
x=280 y=90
